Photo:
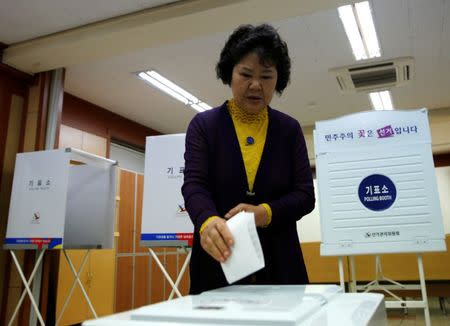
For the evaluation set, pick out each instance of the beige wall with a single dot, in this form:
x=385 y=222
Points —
x=71 y=137
x=440 y=130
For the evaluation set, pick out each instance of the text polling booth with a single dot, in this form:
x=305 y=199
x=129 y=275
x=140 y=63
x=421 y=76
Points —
x=377 y=188
x=61 y=199
x=165 y=222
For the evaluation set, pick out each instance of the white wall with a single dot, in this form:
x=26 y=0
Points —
x=128 y=158
x=443 y=183
x=309 y=226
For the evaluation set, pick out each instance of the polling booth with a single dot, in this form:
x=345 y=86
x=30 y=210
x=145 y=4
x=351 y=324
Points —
x=61 y=199
x=260 y=305
x=165 y=221
x=378 y=193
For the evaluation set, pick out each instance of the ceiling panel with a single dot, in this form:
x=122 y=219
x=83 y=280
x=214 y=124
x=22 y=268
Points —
x=317 y=43
x=31 y=19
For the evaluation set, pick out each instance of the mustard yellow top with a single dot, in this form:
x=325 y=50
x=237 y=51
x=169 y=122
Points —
x=251 y=131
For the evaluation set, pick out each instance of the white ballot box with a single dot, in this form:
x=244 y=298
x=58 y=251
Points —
x=260 y=305
x=377 y=185
x=62 y=198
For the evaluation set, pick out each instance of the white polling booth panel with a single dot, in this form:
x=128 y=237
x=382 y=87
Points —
x=260 y=305
x=377 y=184
x=62 y=198
x=165 y=221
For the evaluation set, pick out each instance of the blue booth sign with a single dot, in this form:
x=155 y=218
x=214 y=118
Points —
x=377 y=192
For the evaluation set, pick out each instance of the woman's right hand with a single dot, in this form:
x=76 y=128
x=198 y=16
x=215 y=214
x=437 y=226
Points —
x=216 y=239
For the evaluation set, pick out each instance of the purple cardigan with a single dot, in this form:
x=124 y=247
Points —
x=215 y=181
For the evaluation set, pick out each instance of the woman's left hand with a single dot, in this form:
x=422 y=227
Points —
x=259 y=211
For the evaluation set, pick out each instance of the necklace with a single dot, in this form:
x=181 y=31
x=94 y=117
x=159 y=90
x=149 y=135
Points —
x=250 y=140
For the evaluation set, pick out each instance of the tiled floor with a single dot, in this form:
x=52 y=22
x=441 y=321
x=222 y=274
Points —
x=415 y=317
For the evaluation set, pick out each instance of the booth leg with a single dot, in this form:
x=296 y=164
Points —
x=341 y=272
x=442 y=305
x=27 y=287
x=180 y=276
x=352 y=282
x=75 y=282
x=163 y=270
x=424 y=291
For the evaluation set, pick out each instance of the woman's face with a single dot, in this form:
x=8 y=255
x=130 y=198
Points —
x=252 y=83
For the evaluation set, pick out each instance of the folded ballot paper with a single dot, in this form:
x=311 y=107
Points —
x=246 y=253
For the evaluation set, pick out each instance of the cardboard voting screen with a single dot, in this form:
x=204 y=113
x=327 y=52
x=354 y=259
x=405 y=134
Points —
x=62 y=199
x=90 y=207
x=377 y=186
x=165 y=222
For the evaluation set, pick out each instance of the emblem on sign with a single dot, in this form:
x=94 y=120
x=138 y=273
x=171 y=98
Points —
x=36 y=218
x=377 y=192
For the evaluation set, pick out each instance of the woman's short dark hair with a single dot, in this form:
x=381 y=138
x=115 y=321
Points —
x=263 y=40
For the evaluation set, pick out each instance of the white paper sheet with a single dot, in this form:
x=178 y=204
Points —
x=246 y=254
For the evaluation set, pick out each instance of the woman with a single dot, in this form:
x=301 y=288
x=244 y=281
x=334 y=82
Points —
x=244 y=155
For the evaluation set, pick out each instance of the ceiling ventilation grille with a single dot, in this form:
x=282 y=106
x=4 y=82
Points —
x=374 y=76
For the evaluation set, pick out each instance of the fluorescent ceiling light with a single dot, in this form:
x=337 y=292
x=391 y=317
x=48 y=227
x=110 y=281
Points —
x=369 y=33
x=201 y=106
x=173 y=90
x=381 y=100
x=360 y=29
